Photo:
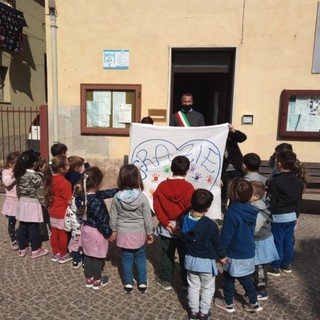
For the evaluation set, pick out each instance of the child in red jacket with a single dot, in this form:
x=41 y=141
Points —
x=171 y=201
x=60 y=197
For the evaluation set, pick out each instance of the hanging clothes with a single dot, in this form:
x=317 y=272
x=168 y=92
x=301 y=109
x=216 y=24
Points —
x=11 y=23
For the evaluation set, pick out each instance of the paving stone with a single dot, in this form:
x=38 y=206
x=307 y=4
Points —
x=39 y=289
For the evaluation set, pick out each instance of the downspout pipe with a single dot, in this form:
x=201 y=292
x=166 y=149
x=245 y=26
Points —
x=54 y=67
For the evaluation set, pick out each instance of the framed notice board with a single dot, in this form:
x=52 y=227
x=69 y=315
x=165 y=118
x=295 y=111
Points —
x=109 y=109
x=299 y=117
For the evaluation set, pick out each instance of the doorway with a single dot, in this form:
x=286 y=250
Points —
x=207 y=73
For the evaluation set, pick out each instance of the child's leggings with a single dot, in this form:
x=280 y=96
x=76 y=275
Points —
x=28 y=231
x=93 y=267
x=12 y=228
x=59 y=241
x=260 y=276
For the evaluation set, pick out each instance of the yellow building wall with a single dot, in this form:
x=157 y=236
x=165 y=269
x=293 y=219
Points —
x=274 y=48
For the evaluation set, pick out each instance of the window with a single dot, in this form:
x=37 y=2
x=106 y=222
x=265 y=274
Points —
x=109 y=109
x=299 y=117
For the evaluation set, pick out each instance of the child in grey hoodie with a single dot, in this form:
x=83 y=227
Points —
x=266 y=250
x=131 y=222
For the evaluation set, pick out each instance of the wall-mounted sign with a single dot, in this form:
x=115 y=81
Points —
x=116 y=59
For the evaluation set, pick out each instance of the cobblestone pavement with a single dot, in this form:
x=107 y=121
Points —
x=40 y=289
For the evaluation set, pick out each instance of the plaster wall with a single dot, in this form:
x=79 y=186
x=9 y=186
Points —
x=274 y=47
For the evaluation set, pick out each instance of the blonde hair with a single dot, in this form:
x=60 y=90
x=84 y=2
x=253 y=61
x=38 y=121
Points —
x=258 y=188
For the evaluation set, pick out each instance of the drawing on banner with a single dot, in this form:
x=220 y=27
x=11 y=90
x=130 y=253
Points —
x=154 y=162
x=152 y=149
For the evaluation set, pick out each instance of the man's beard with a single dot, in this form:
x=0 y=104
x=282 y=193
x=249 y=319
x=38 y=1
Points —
x=186 y=108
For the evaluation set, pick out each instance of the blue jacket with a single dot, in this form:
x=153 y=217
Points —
x=97 y=213
x=202 y=239
x=237 y=231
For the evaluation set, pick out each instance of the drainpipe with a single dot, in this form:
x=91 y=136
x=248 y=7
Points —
x=53 y=28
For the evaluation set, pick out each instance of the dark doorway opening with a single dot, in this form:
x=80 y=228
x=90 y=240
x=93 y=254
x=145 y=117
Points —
x=209 y=75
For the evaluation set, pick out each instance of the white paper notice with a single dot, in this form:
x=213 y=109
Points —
x=125 y=114
x=104 y=100
x=119 y=98
x=96 y=115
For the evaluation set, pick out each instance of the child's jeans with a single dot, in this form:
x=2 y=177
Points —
x=283 y=234
x=229 y=287
x=76 y=256
x=128 y=257
x=201 y=287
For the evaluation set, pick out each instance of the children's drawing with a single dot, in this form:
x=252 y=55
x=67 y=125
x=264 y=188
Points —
x=152 y=149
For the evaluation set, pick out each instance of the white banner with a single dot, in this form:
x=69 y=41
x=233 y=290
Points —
x=152 y=149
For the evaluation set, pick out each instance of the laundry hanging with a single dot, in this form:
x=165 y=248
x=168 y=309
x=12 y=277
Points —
x=11 y=23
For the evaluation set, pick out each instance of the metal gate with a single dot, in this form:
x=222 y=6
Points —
x=22 y=129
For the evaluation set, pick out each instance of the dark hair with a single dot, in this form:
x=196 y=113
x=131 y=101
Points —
x=279 y=148
x=240 y=190
x=42 y=162
x=187 y=94
x=75 y=162
x=129 y=178
x=54 y=166
x=59 y=149
x=287 y=160
x=258 y=188
x=93 y=177
x=147 y=120
x=252 y=161
x=301 y=172
x=201 y=200
x=12 y=158
x=26 y=160
x=180 y=166
x=283 y=147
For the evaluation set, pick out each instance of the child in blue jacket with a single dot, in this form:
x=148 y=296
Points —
x=237 y=234
x=203 y=244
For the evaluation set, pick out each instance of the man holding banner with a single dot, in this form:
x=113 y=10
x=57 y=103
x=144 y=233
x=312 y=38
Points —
x=187 y=117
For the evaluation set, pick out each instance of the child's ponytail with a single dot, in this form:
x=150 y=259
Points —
x=27 y=160
x=301 y=172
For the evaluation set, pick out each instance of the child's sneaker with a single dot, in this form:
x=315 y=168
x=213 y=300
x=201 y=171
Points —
x=222 y=305
x=64 y=259
x=262 y=295
x=203 y=316
x=55 y=257
x=143 y=288
x=128 y=288
x=286 y=269
x=76 y=265
x=274 y=272
x=39 y=253
x=89 y=282
x=194 y=316
x=24 y=252
x=98 y=284
x=14 y=245
x=165 y=285
x=253 y=307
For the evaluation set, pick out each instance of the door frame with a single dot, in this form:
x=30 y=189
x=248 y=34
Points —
x=214 y=69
